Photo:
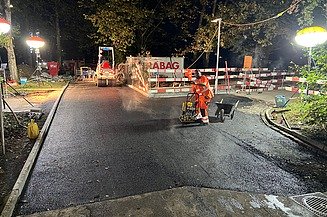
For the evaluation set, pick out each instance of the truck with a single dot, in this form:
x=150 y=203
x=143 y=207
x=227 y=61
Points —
x=106 y=74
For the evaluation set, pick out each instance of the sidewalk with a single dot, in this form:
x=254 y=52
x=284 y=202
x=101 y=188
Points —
x=267 y=96
x=188 y=201
x=18 y=104
x=30 y=103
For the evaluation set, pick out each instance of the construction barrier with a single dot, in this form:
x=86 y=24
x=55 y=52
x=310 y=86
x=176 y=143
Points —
x=237 y=79
x=316 y=91
x=178 y=82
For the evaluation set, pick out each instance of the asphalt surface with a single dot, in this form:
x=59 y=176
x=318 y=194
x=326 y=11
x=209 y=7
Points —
x=107 y=143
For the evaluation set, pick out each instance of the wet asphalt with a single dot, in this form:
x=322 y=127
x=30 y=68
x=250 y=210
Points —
x=112 y=142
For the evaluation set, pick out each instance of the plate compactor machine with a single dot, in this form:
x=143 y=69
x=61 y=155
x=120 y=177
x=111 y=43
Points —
x=189 y=108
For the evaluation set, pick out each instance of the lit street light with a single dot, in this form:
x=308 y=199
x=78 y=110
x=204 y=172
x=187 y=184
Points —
x=218 y=45
x=35 y=43
x=4 y=28
x=310 y=37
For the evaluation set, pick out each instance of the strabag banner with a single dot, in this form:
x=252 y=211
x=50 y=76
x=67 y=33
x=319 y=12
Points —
x=164 y=63
x=166 y=66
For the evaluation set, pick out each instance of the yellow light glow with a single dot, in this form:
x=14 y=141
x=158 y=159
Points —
x=311 y=36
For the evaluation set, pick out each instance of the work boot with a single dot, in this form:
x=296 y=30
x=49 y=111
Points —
x=205 y=120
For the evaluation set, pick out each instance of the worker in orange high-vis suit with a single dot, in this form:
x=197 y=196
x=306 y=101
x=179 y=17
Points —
x=204 y=95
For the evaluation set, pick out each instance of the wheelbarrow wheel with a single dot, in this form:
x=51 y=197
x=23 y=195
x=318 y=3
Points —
x=221 y=115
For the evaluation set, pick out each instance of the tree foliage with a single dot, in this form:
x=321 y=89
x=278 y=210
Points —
x=260 y=39
x=180 y=26
x=134 y=27
x=162 y=27
x=119 y=23
x=32 y=16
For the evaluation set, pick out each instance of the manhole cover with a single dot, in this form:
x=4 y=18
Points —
x=316 y=204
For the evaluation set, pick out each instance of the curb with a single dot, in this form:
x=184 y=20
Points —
x=303 y=140
x=24 y=174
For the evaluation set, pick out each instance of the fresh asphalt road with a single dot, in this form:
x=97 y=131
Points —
x=112 y=142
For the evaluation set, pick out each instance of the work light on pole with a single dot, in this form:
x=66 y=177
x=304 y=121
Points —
x=311 y=36
x=35 y=42
x=4 y=26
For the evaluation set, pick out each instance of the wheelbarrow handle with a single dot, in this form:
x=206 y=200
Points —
x=236 y=104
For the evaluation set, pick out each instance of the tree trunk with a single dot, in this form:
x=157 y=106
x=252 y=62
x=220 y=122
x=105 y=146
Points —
x=195 y=56
x=10 y=47
x=12 y=61
x=214 y=8
x=207 y=59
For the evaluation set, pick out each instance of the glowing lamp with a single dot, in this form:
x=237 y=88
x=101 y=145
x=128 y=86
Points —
x=311 y=36
x=4 y=26
x=35 y=42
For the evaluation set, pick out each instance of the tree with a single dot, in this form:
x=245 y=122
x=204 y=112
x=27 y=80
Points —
x=6 y=7
x=132 y=27
x=241 y=30
x=60 y=23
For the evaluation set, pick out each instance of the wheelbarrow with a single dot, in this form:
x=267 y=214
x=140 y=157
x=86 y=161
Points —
x=225 y=109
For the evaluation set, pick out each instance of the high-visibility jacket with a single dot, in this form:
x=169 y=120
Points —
x=202 y=87
x=188 y=74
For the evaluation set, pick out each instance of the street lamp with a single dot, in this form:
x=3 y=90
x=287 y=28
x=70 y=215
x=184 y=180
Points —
x=310 y=37
x=4 y=28
x=218 y=45
x=35 y=43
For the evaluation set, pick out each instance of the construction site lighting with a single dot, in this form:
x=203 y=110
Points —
x=311 y=36
x=4 y=26
x=35 y=42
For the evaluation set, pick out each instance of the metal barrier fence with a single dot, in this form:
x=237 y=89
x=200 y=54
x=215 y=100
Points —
x=173 y=83
x=234 y=80
x=317 y=91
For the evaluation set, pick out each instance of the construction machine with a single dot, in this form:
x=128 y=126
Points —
x=106 y=74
